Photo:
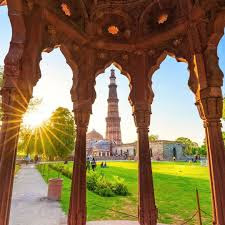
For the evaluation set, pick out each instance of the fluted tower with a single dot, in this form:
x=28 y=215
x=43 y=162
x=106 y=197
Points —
x=113 y=132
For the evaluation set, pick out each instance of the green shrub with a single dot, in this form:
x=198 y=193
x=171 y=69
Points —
x=103 y=186
x=92 y=178
x=119 y=187
x=96 y=181
x=105 y=192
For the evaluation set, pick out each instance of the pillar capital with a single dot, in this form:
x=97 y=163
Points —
x=141 y=113
x=210 y=108
x=82 y=119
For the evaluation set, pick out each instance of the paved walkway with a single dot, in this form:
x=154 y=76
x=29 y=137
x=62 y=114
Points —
x=29 y=203
x=30 y=206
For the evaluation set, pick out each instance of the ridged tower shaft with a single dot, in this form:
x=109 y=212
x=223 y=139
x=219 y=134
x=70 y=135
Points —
x=113 y=131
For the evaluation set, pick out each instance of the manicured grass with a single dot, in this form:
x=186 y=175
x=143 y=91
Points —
x=175 y=185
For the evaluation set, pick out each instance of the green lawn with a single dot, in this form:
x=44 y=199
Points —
x=175 y=185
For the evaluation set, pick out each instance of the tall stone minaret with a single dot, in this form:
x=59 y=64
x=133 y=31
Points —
x=113 y=132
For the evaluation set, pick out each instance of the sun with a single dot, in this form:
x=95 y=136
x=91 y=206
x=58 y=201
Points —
x=34 y=119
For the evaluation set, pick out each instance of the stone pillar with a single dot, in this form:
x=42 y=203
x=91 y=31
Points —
x=210 y=109
x=14 y=104
x=147 y=211
x=206 y=80
x=21 y=73
x=77 y=211
x=141 y=97
x=7 y=163
x=83 y=96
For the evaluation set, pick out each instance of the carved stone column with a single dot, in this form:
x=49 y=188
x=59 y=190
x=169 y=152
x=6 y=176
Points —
x=83 y=96
x=141 y=97
x=21 y=73
x=147 y=212
x=210 y=109
x=14 y=104
x=206 y=81
x=11 y=126
x=77 y=212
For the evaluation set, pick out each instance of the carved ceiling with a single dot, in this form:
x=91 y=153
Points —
x=130 y=24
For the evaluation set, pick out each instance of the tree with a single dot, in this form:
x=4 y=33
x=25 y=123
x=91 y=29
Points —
x=189 y=145
x=26 y=139
x=54 y=139
x=153 y=137
x=62 y=131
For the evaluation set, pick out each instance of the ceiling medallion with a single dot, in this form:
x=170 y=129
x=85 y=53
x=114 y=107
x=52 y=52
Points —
x=162 y=18
x=114 y=30
x=66 y=9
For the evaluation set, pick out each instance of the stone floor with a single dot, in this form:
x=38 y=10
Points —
x=31 y=207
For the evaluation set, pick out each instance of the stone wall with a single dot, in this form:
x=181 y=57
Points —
x=173 y=149
x=125 y=149
x=166 y=150
x=156 y=149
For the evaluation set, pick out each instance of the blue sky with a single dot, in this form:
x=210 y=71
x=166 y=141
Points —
x=173 y=111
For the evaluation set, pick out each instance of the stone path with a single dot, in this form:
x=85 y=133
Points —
x=29 y=203
x=31 y=207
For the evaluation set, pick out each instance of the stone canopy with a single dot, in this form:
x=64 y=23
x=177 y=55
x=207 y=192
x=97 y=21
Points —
x=136 y=36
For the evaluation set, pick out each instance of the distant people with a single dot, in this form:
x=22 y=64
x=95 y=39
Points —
x=66 y=162
x=105 y=165
x=196 y=158
x=27 y=159
x=102 y=165
x=36 y=159
x=93 y=164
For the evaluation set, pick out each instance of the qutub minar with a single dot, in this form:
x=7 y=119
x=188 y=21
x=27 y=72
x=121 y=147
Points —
x=111 y=147
x=113 y=131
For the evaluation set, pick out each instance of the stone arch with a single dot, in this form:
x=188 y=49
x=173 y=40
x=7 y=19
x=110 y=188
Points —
x=160 y=58
x=117 y=65
x=70 y=61
x=214 y=73
x=123 y=71
x=217 y=30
